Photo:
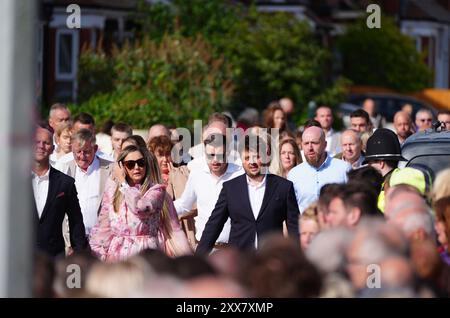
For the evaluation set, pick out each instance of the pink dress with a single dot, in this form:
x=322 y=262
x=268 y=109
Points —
x=140 y=223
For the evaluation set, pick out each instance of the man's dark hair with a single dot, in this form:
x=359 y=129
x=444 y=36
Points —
x=368 y=175
x=85 y=119
x=312 y=123
x=443 y=112
x=360 y=195
x=361 y=113
x=122 y=127
x=328 y=192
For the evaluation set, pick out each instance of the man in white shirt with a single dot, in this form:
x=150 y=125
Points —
x=90 y=173
x=54 y=195
x=257 y=203
x=205 y=183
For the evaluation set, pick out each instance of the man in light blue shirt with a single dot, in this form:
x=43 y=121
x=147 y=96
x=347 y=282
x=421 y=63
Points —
x=319 y=169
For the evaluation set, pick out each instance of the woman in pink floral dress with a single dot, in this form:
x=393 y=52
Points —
x=136 y=213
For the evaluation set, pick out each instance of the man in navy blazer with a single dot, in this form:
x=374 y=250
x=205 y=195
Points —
x=257 y=203
x=54 y=196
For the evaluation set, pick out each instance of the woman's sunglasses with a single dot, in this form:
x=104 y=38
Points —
x=130 y=164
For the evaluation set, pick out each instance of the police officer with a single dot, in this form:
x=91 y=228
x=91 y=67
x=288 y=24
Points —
x=383 y=152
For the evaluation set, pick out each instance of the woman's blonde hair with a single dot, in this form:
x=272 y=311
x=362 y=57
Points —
x=151 y=177
x=311 y=213
x=298 y=156
x=63 y=127
x=441 y=185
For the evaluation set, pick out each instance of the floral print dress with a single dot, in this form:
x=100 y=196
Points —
x=138 y=225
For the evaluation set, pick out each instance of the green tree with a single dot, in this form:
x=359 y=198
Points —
x=382 y=57
x=276 y=55
x=174 y=82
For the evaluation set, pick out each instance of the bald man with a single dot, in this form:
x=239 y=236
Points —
x=318 y=169
x=351 y=148
x=157 y=130
x=402 y=125
x=288 y=107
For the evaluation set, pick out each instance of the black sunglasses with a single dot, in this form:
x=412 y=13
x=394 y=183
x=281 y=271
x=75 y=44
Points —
x=130 y=164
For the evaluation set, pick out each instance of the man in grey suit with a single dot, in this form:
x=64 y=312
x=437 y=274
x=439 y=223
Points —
x=90 y=173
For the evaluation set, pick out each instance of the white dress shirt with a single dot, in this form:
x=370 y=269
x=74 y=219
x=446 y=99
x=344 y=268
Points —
x=88 y=188
x=333 y=139
x=40 y=190
x=256 y=196
x=203 y=188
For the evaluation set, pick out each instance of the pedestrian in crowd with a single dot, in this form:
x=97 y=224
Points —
x=136 y=214
x=174 y=178
x=424 y=119
x=63 y=144
x=324 y=116
x=157 y=130
x=288 y=107
x=351 y=145
x=383 y=153
x=352 y=202
x=257 y=203
x=441 y=185
x=442 y=227
x=376 y=119
x=274 y=117
x=309 y=226
x=205 y=183
x=59 y=114
x=360 y=121
x=119 y=132
x=444 y=118
x=319 y=169
x=289 y=157
x=90 y=173
x=55 y=195
x=403 y=126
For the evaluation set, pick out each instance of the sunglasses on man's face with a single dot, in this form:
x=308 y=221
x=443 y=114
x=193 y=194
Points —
x=130 y=164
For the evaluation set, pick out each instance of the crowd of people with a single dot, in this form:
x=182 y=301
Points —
x=261 y=207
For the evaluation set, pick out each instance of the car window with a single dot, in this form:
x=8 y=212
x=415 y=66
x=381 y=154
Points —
x=435 y=162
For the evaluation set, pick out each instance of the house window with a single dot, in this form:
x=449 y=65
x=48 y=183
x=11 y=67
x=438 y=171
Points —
x=67 y=46
x=66 y=54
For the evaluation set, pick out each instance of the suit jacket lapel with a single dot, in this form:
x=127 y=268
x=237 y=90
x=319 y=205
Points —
x=271 y=186
x=105 y=172
x=52 y=188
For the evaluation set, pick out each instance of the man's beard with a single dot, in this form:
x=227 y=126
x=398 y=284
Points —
x=314 y=160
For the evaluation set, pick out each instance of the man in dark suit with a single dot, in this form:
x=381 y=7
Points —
x=54 y=196
x=257 y=203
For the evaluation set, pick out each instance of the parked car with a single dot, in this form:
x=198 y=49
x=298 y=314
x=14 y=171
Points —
x=430 y=148
x=387 y=105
